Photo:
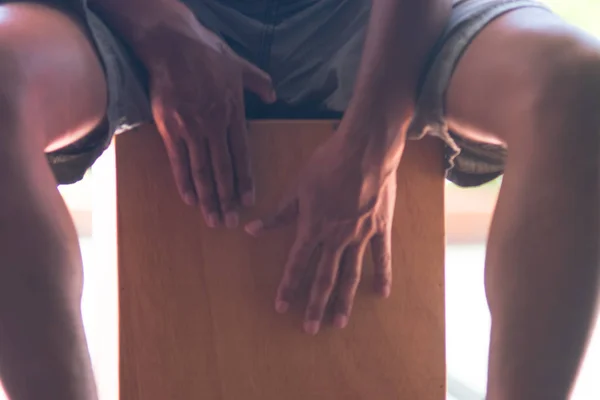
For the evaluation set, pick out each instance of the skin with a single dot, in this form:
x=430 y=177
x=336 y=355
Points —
x=342 y=219
x=43 y=350
x=197 y=84
x=541 y=281
x=542 y=266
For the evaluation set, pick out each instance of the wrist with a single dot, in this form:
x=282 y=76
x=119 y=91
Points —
x=157 y=38
x=369 y=149
x=375 y=131
x=142 y=22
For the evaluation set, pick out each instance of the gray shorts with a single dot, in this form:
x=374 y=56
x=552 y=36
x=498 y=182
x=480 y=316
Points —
x=312 y=50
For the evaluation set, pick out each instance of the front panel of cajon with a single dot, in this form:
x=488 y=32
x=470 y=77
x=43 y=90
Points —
x=196 y=305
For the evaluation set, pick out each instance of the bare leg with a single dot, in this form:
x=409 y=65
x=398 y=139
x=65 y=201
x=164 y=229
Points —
x=533 y=82
x=52 y=90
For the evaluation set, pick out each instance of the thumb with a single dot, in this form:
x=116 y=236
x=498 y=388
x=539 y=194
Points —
x=258 y=81
x=285 y=215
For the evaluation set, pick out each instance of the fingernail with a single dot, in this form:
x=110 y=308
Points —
x=231 y=220
x=312 y=327
x=189 y=199
x=386 y=291
x=213 y=221
x=281 y=307
x=248 y=199
x=254 y=227
x=340 y=321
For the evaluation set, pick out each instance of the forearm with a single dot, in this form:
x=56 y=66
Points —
x=400 y=37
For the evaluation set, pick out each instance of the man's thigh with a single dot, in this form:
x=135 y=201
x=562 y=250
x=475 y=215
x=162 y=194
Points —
x=49 y=70
x=82 y=66
x=524 y=65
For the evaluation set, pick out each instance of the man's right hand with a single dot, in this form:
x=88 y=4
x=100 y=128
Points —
x=197 y=84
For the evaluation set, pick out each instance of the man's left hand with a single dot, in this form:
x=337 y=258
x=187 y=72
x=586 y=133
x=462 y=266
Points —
x=342 y=203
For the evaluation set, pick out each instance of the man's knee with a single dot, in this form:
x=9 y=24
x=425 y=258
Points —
x=575 y=80
x=51 y=81
x=570 y=84
x=562 y=128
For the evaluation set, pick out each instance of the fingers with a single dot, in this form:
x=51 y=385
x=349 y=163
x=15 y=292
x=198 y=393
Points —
x=381 y=250
x=178 y=158
x=294 y=271
x=285 y=214
x=224 y=178
x=177 y=153
x=258 y=81
x=323 y=285
x=349 y=278
x=238 y=143
x=202 y=176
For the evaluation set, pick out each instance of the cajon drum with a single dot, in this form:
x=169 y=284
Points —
x=196 y=305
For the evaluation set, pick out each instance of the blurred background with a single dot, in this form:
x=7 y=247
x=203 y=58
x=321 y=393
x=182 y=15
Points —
x=468 y=213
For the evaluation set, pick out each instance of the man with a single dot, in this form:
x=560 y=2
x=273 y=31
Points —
x=483 y=75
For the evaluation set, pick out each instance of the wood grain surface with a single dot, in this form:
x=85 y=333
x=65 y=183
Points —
x=197 y=319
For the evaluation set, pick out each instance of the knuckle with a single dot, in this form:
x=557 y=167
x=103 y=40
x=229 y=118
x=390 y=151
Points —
x=239 y=150
x=207 y=201
x=226 y=188
x=343 y=307
x=267 y=80
x=185 y=189
x=203 y=174
x=245 y=183
x=172 y=137
x=381 y=223
x=351 y=278
x=314 y=312
x=173 y=123
x=210 y=119
x=384 y=259
x=223 y=170
x=287 y=293
x=174 y=147
x=368 y=226
x=227 y=195
x=324 y=282
x=217 y=109
x=181 y=175
x=178 y=165
x=299 y=255
x=384 y=276
x=222 y=47
x=228 y=204
x=295 y=274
